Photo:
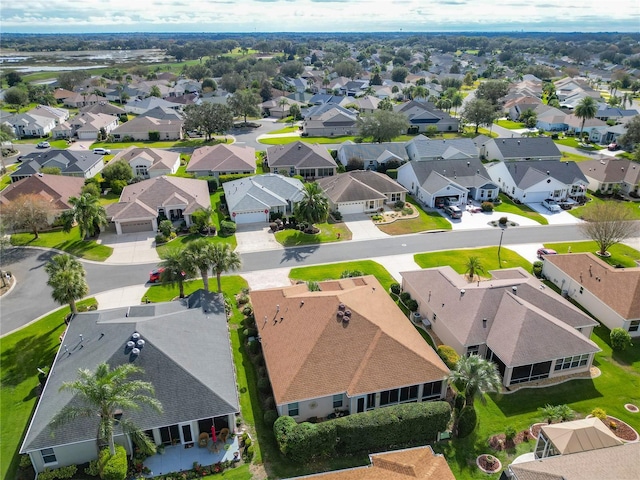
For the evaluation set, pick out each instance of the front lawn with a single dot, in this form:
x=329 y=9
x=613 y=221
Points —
x=511 y=125
x=109 y=198
x=329 y=232
x=575 y=143
x=574 y=157
x=581 y=212
x=508 y=206
x=458 y=258
x=68 y=242
x=295 y=138
x=333 y=271
x=620 y=254
x=22 y=353
x=423 y=222
x=5 y=180
x=186 y=142
x=284 y=130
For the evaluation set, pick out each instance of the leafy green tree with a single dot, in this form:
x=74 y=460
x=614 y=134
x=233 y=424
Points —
x=27 y=212
x=382 y=125
x=478 y=112
x=87 y=212
x=492 y=90
x=245 y=102
x=209 y=85
x=177 y=268
x=210 y=118
x=70 y=80
x=291 y=69
x=198 y=72
x=13 y=78
x=620 y=339
x=155 y=91
x=294 y=111
x=347 y=68
x=198 y=257
x=385 y=104
x=631 y=137
x=224 y=259
x=17 y=97
x=314 y=206
x=473 y=267
x=101 y=393
x=67 y=279
x=585 y=110
x=474 y=376
x=118 y=170
x=399 y=74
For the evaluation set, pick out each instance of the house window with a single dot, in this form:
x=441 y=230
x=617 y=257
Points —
x=294 y=409
x=634 y=326
x=141 y=171
x=473 y=350
x=409 y=394
x=395 y=197
x=337 y=401
x=48 y=456
x=481 y=193
x=571 y=362
x=431 y=390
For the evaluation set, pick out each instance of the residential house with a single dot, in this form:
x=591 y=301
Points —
x=55 y=189
x=605 y=173
x=605 y=135
x=30 y=125
x=311 y=161
x=352 y=346
x=279 y=107
x=367 y=104
x=163 y=113
x=529 y=331
x=138 y=106
x=521 y=148
x=422 y=148
x=551 y=119
x=353 y=88
x=360 y=191
x=61 y=93
x=123 y=93
x=105 y=108
x=252 y=199
x=184 y=351
x=72 y=163
x=222 y=159
x=457 y=181
x=142 y=203
x=141 y=128
x=423 y=115
x=612 y=295
x=298 y=83
x=149 y=162
x=533 y=181
x=86 y=126
x=58 y=114
x=574 y=124
x=330 y=120
x=83 y=99
x=372 y=155
x=418 y=463
x=606 y=112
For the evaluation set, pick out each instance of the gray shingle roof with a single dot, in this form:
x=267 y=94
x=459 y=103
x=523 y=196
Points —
x=301 y=155
x=467 y=173
x=261 y=192
x=531 y=172
x=372 y=151
x=359 y=185
x=68 y=161
x=187 y=358
x=524 y=147
x=428 y=148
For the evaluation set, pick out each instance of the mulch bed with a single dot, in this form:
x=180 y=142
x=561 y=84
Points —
x=486 y=466
x=622 y=430
x=499 y=442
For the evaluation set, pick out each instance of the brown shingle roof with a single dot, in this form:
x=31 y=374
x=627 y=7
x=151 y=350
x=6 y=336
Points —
x=359 y=185
x=161 y=159
x=619 y=288
x=309 y=353
x=223 y=158
x=55 y=188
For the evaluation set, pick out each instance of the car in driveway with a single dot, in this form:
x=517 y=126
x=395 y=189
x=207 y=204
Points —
x=545 y=251
x=101 y=151
x=612 y=147
x=551 y=205
x=453 y=211
x=154 y=276
x=43 y=145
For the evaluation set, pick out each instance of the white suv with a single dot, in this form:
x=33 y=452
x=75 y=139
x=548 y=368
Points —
x=101 y=151
x=551 y=205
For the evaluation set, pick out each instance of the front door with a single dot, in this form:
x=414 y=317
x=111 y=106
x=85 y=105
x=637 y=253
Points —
x=360 y=405
x=186 y=435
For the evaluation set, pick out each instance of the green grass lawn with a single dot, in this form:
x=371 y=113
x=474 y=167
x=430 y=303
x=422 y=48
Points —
x=182 y=172
x=284 y=130
x=458 y=258
x=423 y=222
x=187 y=142
x=620 y=254
x=333 y=271
x=511 y=125
x=581 y=212
x=238 y=473
x=22 y=353
x=329 y=232
x=291 y=139
x=5 y=180
x=68 y=242
x=109 y=198
x=573 y=142
x=507 y=206
x=574 y=157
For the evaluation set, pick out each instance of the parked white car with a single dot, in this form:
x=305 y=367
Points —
x=551 y=205
x=101 y=151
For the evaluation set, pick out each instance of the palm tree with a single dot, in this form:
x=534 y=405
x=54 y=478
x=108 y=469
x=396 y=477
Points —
x=176 y=268
x=67 y=278
x=614 y=86
x=102 y=393
x=198 y=257
x=224 y=260
x=314 y=206
x=456 y=101
x=475 y=375
x=473 y=267
x=87 y=213
x=420 y=92
x=585 y=110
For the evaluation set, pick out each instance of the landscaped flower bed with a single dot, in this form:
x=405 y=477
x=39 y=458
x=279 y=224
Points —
x=488 y=463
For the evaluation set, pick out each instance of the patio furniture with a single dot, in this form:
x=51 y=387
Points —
x=224 y=433
x=203 y=440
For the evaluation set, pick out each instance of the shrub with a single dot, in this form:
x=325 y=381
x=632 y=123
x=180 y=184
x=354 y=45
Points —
x=93 y=469
x=262 y=372
x=487 y=207
x=232 y=177
x=62 y=472
x=154 y=136
x=620 y=339
x=25 y=461
x=448 y=355
x=114 y=467
x=193 y=228
x=212 y=183
x=599 y=413
x=537 y=268
x=165 y=227
x=270 y=416
x=351 y=273
x=263 y=385
x=510 y=432
x=407 y=211
x=395 y=288
x=392 y=172
x=337 y=215
x=458 y=403
x=254 y=347
x=248 y=453
x=405 y=297
x=250 y=332
x=282 y=430
x=503 y=220
x=399 y=205
x=160 y=238
x=247 y=310
x=412 y=305
x=227 y=227
x=242 y=299
x=117 y=186
x=269 y=403
x=467 y=421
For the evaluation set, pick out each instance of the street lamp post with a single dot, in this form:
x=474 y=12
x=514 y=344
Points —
x=499 y=247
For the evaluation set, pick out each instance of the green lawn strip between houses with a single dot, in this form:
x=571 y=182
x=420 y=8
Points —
x=580 y=212
x=329 y=232
x=620 y=254
x=425 y=221
x=68 y=242
x=21 y=354
x=332 y=271
x=457 y=259
x=511 y=125
x=508 y=206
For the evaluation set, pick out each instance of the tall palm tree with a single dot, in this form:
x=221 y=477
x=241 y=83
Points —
x=87 y=212
x=67 y=278
x=475 y=375
x=420 y=92
x=103 y=392
x=224 y=260
x=198 y=257
x=456 y=101
x=473 y=267
x=177 y=268
x=586 y=110
x=314 y=206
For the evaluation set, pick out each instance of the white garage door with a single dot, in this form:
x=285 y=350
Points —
x=251 y=217
x=87 y=135
x=347 y=208
x=535 y=197
x=134 y=227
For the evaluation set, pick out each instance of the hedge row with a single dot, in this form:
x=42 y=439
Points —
x=236 y=176
x=380 y=429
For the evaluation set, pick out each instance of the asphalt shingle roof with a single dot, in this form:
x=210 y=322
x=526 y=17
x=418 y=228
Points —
x=525 y=147
x=301 y=155
x=359 y=185
x=68 y=161
x=529 y=173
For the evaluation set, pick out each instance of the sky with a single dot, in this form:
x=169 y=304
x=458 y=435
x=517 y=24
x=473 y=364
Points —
x=95 y=16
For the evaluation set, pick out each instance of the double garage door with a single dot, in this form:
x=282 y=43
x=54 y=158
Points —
x=251 y=217
x=135 y=227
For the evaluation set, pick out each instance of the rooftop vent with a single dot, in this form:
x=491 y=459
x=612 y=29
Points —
x=140 y=343
x=135 y=336
x=462 y=292
x=515 y=290
x=135 y=352
x=340 y=314
x=347 y=313
x=342 y=306
x=131 y=344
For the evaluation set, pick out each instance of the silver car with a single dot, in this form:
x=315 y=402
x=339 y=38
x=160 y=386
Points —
x=551 y=205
